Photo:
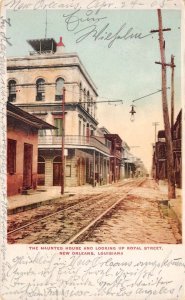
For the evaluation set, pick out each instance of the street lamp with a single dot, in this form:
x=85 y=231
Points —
x=132 y=112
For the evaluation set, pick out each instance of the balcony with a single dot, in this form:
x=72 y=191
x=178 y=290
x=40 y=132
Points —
x=73 y=141
x=116 y=153
x=177 y=145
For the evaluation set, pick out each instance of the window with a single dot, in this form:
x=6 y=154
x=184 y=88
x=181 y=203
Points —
x=83 y=129
x=41 y=132
x=40 y=89
x=58 y=124
x=80 y=98
x=41 y=171
x=57 y=159
x=85 y=98
x=91 y=106
x=11 y=156
x=41 y=165
x=79 y=128
x=88 y=102
x=12 y=91
x=59 y=89
x=68 y=170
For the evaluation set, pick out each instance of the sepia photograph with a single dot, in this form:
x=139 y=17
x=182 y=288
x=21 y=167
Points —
x=94 y=126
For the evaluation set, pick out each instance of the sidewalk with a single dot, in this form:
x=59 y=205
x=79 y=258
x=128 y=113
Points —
x=46 y=195
x=37 y=198
x=174 y=204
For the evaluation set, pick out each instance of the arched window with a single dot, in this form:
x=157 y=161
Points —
x=40 y=89
x=57 y=159
x=59 y=89
x=12 y=91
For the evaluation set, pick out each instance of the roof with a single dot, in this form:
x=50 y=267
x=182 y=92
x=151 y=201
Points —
x=24 y=116
x=161 y=134
x=41 y=45
x=105 y=130
x=178 y=119
x=113 y=136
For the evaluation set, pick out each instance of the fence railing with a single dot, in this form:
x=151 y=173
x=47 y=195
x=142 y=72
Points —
x=74 y=140
x=41 y=52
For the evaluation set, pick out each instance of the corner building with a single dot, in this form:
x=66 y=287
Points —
x=35 y=84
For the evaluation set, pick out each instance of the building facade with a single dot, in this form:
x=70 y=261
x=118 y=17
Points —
x=22 y=149
x=160 y=156
x=36 y=84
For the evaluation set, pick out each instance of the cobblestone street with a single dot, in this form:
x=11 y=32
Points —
x=125 y=212
x=138 y=219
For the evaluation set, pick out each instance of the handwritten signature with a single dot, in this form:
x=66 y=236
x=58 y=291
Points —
x=90 y=24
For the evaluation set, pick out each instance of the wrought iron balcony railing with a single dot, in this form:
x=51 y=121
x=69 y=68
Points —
x=74 y=140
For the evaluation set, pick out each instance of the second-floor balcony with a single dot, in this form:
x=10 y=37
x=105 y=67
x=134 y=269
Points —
x=177 y=145
x=73 y=141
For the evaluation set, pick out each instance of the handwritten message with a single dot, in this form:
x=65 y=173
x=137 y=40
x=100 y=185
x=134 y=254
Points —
x=61 y=273
x=51 y=274
x=90 y=23
x=3 y=97
x=90 y=4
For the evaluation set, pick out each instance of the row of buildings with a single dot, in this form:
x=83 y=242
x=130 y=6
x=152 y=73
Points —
x=159 y=168
x=35 y=125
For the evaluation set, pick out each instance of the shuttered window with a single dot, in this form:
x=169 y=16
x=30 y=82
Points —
x=58 y=124
x=11 y=156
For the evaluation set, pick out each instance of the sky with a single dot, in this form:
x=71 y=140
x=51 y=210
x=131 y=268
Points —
x=122 y=70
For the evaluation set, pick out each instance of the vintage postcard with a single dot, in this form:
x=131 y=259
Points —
x=92 y=192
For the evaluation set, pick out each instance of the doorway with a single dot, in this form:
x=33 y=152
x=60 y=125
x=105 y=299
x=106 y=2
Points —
x=27 y=167
x=57 y=171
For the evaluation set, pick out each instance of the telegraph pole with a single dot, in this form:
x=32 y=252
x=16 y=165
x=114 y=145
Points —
x=172 y=93
x=155 y=124
x=63 y=142
x=169 y=148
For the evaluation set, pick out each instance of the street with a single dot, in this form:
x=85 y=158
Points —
x=127 y=212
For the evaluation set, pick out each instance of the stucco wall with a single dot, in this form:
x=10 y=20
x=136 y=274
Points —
x=22 y=134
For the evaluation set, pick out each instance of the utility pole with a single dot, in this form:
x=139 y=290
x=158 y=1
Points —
x=46 y=25
x=63 y=142
x=169 y=148
x=172 y=65
x=155 y=124
x=172 y=93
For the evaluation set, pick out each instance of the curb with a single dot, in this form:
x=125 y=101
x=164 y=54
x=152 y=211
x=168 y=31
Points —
x=12 y=211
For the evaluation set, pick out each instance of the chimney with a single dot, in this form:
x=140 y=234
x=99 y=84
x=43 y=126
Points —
x=60 y=46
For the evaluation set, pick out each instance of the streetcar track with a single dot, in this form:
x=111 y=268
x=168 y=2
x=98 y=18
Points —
x=98 y=219
x=67 y=226
x=48 y=216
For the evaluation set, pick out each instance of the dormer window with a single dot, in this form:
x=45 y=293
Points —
x=59 y=89
x=40 y=89
x=12 y=91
